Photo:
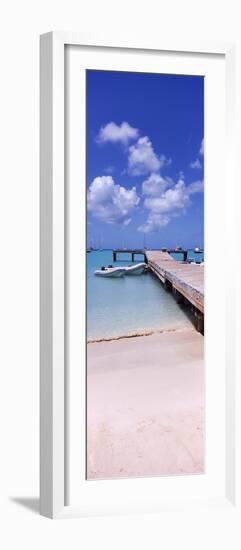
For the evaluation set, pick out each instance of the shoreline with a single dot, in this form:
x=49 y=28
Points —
x=142 y=332
x=145 y=405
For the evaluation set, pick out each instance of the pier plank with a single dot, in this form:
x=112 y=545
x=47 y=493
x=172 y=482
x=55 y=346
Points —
x=187 y=279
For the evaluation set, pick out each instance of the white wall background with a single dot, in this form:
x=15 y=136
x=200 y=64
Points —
x=21 y=23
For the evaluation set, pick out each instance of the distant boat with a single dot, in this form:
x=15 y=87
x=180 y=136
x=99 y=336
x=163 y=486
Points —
x=197 y=249
x=110 y=272
x=135 y=269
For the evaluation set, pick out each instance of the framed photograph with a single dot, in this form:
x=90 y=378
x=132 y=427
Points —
x=138 y=321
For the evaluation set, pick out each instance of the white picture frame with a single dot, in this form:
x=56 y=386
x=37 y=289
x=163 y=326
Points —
x=53 y=427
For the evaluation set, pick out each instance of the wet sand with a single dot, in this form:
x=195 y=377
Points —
x=145 y=406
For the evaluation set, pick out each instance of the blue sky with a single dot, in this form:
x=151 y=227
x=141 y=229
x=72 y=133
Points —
x=145 y=161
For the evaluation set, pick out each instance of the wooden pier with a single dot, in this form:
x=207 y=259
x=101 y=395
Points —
x=130 y=251
x=185 y=280
x=117 y=252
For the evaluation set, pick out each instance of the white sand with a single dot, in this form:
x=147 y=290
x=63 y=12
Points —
x=145 y=406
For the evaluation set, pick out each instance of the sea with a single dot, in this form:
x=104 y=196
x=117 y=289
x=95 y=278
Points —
x=130 y=304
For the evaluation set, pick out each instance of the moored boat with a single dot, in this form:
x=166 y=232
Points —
x=110 y=272
x=136 y=269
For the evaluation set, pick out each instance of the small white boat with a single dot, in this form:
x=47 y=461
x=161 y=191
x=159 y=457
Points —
x=110 y=272
x=136 y=269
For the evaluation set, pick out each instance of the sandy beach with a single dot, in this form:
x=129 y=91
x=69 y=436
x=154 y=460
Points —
x=145 y=407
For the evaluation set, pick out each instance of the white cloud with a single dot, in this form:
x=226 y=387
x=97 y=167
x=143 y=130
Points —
x=196 y=164
x=165 y=161
x=155 y=185
x=109 y=169
x=154 y=223
x=110 y=202
x=171 y=202
x=114 y=133
x=175 y=198
x=142 y=159
x=196 y=187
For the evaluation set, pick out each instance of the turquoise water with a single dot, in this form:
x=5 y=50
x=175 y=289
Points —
x=197 y=256
x=128 y=304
